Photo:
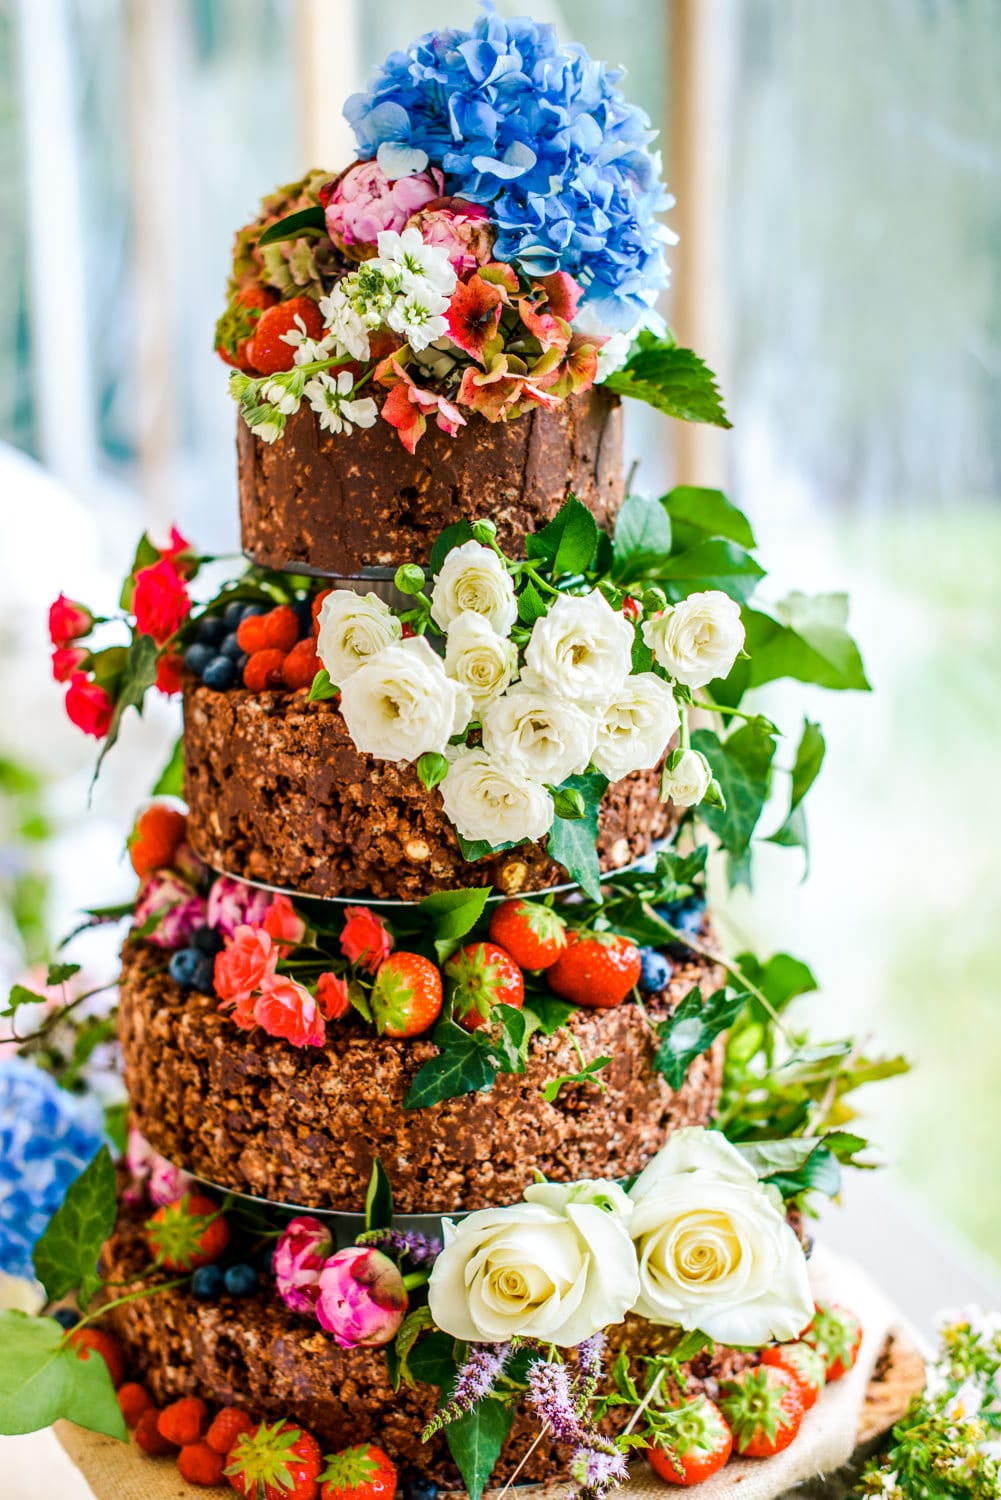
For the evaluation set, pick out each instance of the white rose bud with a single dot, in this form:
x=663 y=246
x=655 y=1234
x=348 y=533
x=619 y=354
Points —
x=698 y=639
x=581 y=650
x=474 y=578
x=486 y=801
x=687 y=782
x=534 y=734
x=557 y=1271
x=475 y=655
x=351 y=628
x=714 y=1249
x=637 y=726
x=400 y=704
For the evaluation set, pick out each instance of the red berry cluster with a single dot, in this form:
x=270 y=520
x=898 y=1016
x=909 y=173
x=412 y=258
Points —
x=276 y=657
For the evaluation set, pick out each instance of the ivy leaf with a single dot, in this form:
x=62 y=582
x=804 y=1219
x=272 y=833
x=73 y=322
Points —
x=475 y=1440
x=66 y=1255
x=452 y=536
x=60 y=973
x=712 y=564
x=43 y=1379
x=781 y=979
x=692 y=1029
x=453 y=914
x=587 y=1074
x=742 y=765
x=696 y=514
x=138 y=677
x=170 y=782
x=304 y=221
x=573 y=842
x=20 y=995
x=675 y=381
x=809 y=759
x=808 y=642
x=378 y=1199
x=642 y=539
x=515 y=1030
x=466 y=1064
x=321 y=688
x=568 y=543
x=474 y=849
x=530 y=604
x=550 y=1014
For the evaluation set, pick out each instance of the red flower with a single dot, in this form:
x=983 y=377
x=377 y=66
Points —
x=563 y=294
x=68 y=621
x=287 y=1009
x=365 y=940
x=248 y=959
x=474 y=315
x=88 y=706
x=168 y=672
x=66 y=660
x=408 y=405
x=332 y=997
x=283 y=923
x=160 y=601
x=180 y=552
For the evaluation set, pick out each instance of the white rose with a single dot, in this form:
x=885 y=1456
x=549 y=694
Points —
x=485 y=801
x=20 y=1294
x=534 y=734
x=715 y=1251
x=637 y=726
x=351 y=628
x=581 y=650
x=687 y=783
x=698 y=639
x=555 y=1273
x=399 y=704
x=475 y=655
x=474 y=578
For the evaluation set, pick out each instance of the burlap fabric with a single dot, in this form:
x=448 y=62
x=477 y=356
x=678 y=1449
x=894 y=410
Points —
x=845 y=1412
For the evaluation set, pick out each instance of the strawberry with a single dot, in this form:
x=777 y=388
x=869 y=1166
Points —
x=764 y=1409
x=280 y=1462
x=689 y=1442
x=360 y=1473
x=836 y=1334
x=149 y=1437
x=803 y=1363
x=227 y=1425
x=482 y=975
x=106 y=1345
x=317 y=605
x=200 y=1464
x=596 y=969
x=183 y=1421
x=267 y=351
x=265 y=669
x=189 y=1233
x=301 y=665
x=156 y=838
x=278 y=630
x=407 y=996
x=533 y=934
x=133 y=1400
x=235 y=328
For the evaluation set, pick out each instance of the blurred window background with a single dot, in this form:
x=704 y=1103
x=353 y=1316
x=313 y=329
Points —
x=838 y=171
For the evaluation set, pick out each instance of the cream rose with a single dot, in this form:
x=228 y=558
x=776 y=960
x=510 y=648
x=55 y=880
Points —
x=714 y=1249
x=636 y=727
x=475 y=655
x=556 y=1270
x=687 y=781
x=486 y=801
x=400 y=704
x=698 y=639
x=581 y=650
x=352 y=628
x=473 y=578
x=536 y=735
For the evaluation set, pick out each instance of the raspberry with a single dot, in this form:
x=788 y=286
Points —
x=264 y=670
x=301 y=665
x=317 y=604
x=134 y=1399
x=227 y=1427
x=268 y=351
x=155 y=838
x=86 y=1339
x=200 y=1464
x=149 y=1437
x=184 y=1421
x=278 y=630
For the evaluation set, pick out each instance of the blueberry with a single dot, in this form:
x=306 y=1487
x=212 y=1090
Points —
x=197 y=657
x=233 y=613
x=66 y=1317
x=246 y=610
x=241 y=662
x=231 y=647
x=184 y=966
x=686 y=916
x=220 y=673
x=211 y=630
x=207 y=1283
x=207 y=940
x=203 y=977
x=655 y=971
x=240 y=1280
x=264 y=1258
x=304 y=613
x=419 y=1488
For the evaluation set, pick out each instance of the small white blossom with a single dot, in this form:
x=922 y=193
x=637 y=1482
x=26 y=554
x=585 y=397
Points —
x=313 y=351
x=329 y=396
x=418 y=316
x=965 y=1403
x=279 y=394
x=420 y=266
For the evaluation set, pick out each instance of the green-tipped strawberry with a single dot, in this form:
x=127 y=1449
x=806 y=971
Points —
x=360 y=1473
x=764 y=1408
x=276 y=1462
x=480 y=976
x=237 y=326
x=803 y=1363
x=595 y=969
x=533 y=934
x=407 y=995
x=836 y=1334
x=189 y=1233
x=688 y=1443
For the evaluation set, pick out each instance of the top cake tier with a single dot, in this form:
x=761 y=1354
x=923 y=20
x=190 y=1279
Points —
x=314 y=502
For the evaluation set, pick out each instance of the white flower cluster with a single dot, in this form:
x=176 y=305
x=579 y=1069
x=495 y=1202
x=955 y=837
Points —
x=697 y=1243
x=406 y=287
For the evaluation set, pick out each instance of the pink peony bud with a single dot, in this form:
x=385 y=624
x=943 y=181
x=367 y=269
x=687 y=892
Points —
x=364 y=202
x=68 y=621
x=179 y=910
x=288 y=1010
x=300 y=1255
x=233 y=904
x=462 y=229
x=284 y=924
x=362 y=1299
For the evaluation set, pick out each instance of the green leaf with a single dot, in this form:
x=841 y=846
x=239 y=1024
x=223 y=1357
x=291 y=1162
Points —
x=550 y=1013
x=809 y=759
x=378 y=1199
x=642 y=538
x=573 y=842
x=170 y=782
x=66 y=1255
x=432 y=767
x=410 y=1331
x=474 y=849
x=59 y=973
x=692 y=1029
x=454 y=913
x=696 y=514
x=531 y=606
x=466 y=1064
x=432 y=1362
x=675 y=381
x=689 y=1345
x=321 y=688
x=146 y=554
x=712 y=564
x=475 y=1441
x=138 y=677
x=568 y=543
x=742 y=765
x=304 y=221
x=587 y=1074
x=808 y=641
x=781 y=979
x=43 y=1379
x=452 y=536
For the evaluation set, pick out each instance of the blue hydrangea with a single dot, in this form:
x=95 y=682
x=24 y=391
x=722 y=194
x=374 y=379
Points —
x=47 y=1137
x=543 y=135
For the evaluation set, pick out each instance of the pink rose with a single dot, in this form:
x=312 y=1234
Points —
x=248 y=959
x=179 y=911
x=302 y=1248
x=332 y=996
x=160 y=601
x=284 y=924
x=462 y=229
x=366 y=940
x=362 y=1298
x=364 y=202
x=233 y=904
x=68 y=621
x=288 y=1010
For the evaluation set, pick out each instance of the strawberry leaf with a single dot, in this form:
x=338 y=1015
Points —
x=674 y=380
